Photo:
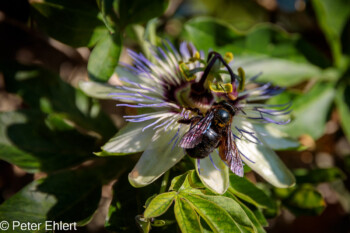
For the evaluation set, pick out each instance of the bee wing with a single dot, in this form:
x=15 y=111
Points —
x=194 y=136
x=229 y=153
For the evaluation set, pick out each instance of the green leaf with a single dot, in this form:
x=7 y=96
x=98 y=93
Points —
x=159 y=204
x=44 y=136
x=127 y=203
x=248 y=192
x=46 y=92
x=305 y=200
x=234 y=209
x=177 y=182
x=260 y=217
x=104 y=57
x=264 y=48
x=186 y=217
x=208 y=33
x=310 y=111
x=342 y=99
x=263 y=39
x=246 y=13
x=23 y=159
x=58 y=121
x=216 y=217
x=274 y=70
x=189 y=182
x=108 y=9
x=97 y=90
x=195 y=180
x=57 y=197
x=75 y=23
x=318 y=175
x=332 y=16
x=144 y=224
x=250 y=214
x=150 y=199
x=26 y=142
x=138 y=11
x=190 y=188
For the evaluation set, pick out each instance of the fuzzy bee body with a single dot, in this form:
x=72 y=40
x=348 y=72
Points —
x=213 y=131
x=210 y=141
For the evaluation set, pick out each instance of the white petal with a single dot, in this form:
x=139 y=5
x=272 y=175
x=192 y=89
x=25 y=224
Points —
x=97 y=90
x=130 y=139
x=266 y=163
x=215 y=178
x=159 y=157
x=124 y=73
x=274 y=138
x=262 y=159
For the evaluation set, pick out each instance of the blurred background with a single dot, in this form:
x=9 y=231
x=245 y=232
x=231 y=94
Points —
x=47 y=125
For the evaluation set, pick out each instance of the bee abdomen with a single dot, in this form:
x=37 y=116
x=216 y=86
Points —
x=209 y=142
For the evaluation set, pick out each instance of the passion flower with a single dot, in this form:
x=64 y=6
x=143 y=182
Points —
x=183 y=84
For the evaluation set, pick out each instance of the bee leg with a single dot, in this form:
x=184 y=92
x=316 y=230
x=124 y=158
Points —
x=190 y=120
x=185 y=121
x=196 y=110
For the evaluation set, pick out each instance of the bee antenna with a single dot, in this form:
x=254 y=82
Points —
x=223 y=90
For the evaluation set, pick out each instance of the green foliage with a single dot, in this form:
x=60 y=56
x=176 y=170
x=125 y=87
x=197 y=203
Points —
x=56 y=128
x=159 y=204
x=194 y=203
x=43 y=151
x=332 y=17
x=248 y=192
x=342 y=100
x=186 y=216
x=304 y=199
x=45 y=137
x=75 y=23
x=221 y=213
x=310 y=111
x=264 y=48
x=319 y=175
x=101 y=64
x=108 y=9
x=135 y=11
x=69 y=196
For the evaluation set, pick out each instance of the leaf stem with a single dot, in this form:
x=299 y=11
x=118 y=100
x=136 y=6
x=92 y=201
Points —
x=165 y=182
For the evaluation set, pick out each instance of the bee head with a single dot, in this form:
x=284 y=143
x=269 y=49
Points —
x=222 y=117
x=227 y=106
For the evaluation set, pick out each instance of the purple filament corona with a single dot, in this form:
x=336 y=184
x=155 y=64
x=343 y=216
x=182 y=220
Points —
x=162 y=80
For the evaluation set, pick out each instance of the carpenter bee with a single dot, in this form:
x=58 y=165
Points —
x=213 y=131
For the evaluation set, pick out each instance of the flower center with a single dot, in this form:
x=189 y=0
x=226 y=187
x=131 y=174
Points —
x=208 y=80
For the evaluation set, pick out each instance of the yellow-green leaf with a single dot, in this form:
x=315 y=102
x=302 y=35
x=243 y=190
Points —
x=215 y=216
x=186 y=217
x=248 y=192
x=159 y=205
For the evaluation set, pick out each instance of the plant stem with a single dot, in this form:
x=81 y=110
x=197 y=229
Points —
x=165 y=182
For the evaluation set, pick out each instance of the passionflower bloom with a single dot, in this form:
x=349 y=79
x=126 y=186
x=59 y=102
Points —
x=182 y=84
